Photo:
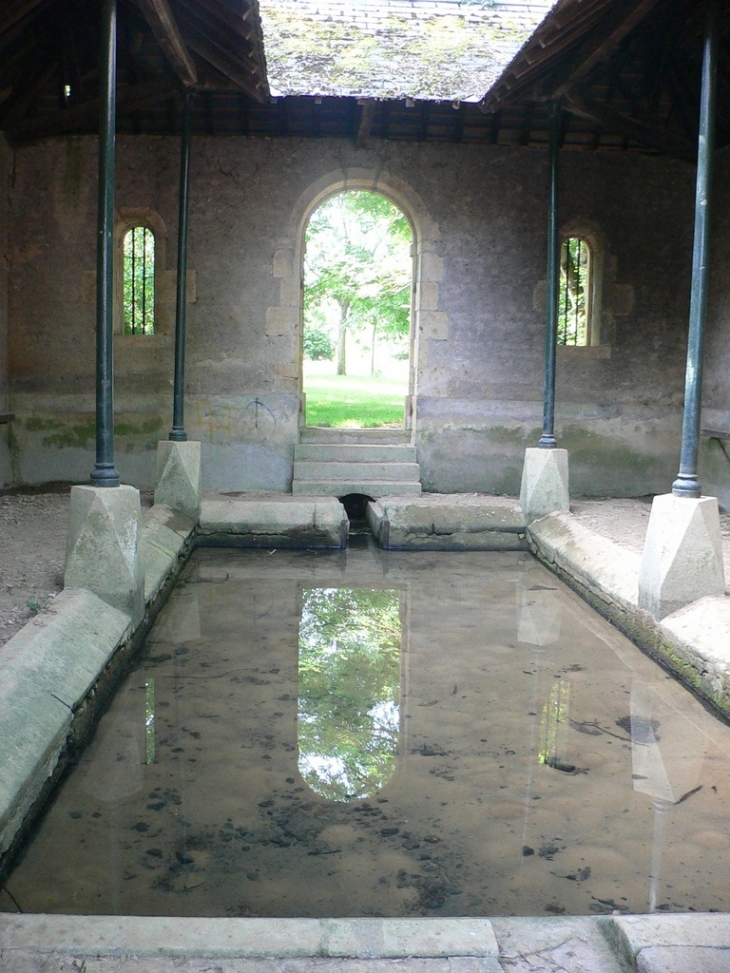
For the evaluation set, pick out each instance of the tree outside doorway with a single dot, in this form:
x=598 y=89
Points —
x=358 y=274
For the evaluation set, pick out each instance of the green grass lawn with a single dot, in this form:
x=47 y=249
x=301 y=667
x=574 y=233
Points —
x=354 y=402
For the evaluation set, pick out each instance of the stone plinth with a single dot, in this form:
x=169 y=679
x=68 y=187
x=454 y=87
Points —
x=455 y=522
x=544 y=487
x=103 y=551
x=178 y=477
x=682 y=558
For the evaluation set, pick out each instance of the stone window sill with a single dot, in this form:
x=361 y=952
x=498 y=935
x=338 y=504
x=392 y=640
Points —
x=583 y=351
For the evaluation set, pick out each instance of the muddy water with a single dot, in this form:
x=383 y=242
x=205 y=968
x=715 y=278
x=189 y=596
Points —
x=499 y=750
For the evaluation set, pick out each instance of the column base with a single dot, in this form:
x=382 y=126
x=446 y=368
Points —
x=178 y=477
x=682 y=558
x=103 y=550
x=544 y=487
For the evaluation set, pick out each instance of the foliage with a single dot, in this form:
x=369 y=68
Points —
x=349 y=690
x=574 y=292
x=318 y=345
x=358 y=271
x=139 y=281
x=337 y=401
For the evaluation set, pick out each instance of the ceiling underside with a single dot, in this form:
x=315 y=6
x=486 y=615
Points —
x=626 y=72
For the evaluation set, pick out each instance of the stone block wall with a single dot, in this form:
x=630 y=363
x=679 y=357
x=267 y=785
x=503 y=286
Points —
x=480 y=216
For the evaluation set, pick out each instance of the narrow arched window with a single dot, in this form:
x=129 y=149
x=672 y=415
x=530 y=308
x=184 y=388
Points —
x=576 y=286
x=139 y=281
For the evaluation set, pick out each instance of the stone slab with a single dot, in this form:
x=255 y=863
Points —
x=632 y=935
x=273 y=520
x=46 y=670
x=164 y=536
x=683 y=959
x=447 y=522
x=216 y=938
x=555 y=943
x=361 y=485
x=701 y=633
x=610 y=571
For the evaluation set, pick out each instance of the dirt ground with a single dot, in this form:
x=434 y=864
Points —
x=33 y=527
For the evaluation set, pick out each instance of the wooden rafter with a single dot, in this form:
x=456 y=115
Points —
x=242 y=78
x=160 y=18
x=638 y=131
x=367 y=114
x=13 y=11
x=85 y=113
x=604 y=41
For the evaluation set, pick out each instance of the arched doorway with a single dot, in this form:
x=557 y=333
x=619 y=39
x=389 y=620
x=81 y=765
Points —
x=357 y=311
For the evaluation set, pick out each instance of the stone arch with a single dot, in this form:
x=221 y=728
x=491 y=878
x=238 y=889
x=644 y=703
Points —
x=428 y=321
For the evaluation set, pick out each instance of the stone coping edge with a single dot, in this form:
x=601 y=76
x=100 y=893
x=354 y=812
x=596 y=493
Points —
x=58 y=704
x=246 y=938
x=214 y=938
x=693 y=643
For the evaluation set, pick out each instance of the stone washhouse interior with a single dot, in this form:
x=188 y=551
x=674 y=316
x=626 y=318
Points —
x=561 y=171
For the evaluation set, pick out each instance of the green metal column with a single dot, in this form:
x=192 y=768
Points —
x=687 y=483
x=548 y=440
x=177 y=433
x=104 y=472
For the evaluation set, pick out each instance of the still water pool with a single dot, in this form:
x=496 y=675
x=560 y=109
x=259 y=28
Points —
x=387 y=734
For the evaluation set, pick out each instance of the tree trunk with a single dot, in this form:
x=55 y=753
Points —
x=372 y=351
x=342 y=341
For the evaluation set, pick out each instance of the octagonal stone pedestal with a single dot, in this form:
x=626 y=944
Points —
x=544 y=487
x=682 y=557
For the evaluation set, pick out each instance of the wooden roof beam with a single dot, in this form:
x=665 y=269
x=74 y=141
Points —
x=605 y=42
x=68 y=119
x=639 y=131
x=367 y=114
x=246 y=81
x=15 y=10
x=162 y=22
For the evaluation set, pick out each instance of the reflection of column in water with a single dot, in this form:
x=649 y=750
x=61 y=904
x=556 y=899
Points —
x=666 y=777
x=661 y=810
x=538 y=624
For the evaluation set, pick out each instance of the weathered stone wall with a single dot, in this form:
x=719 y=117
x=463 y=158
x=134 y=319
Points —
x=480 y=215
x=5 y=464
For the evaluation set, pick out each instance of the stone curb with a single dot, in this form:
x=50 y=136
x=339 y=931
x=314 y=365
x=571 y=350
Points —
x=215 y=938
x=693 y=643
x=42 y=697
x=318 y=522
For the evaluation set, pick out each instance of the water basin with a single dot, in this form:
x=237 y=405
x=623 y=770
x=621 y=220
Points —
x=387 y=734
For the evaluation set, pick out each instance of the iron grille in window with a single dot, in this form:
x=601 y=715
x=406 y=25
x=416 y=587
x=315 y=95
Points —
x=139 y=281
x=574 y=310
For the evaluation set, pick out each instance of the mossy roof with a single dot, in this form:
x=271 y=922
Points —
x=441 y=50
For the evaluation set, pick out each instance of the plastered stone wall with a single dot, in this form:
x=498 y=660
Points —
x=479 y=215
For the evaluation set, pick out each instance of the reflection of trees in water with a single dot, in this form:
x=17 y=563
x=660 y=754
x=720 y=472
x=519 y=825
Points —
x=349 y=690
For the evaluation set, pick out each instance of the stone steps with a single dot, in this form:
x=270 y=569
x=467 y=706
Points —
x=355 y=453
x=373 y=469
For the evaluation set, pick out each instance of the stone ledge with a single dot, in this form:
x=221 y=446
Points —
x=39 y=694
x=691 y=643
x=273 y=520
x=447 y=522
x=223 y=938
